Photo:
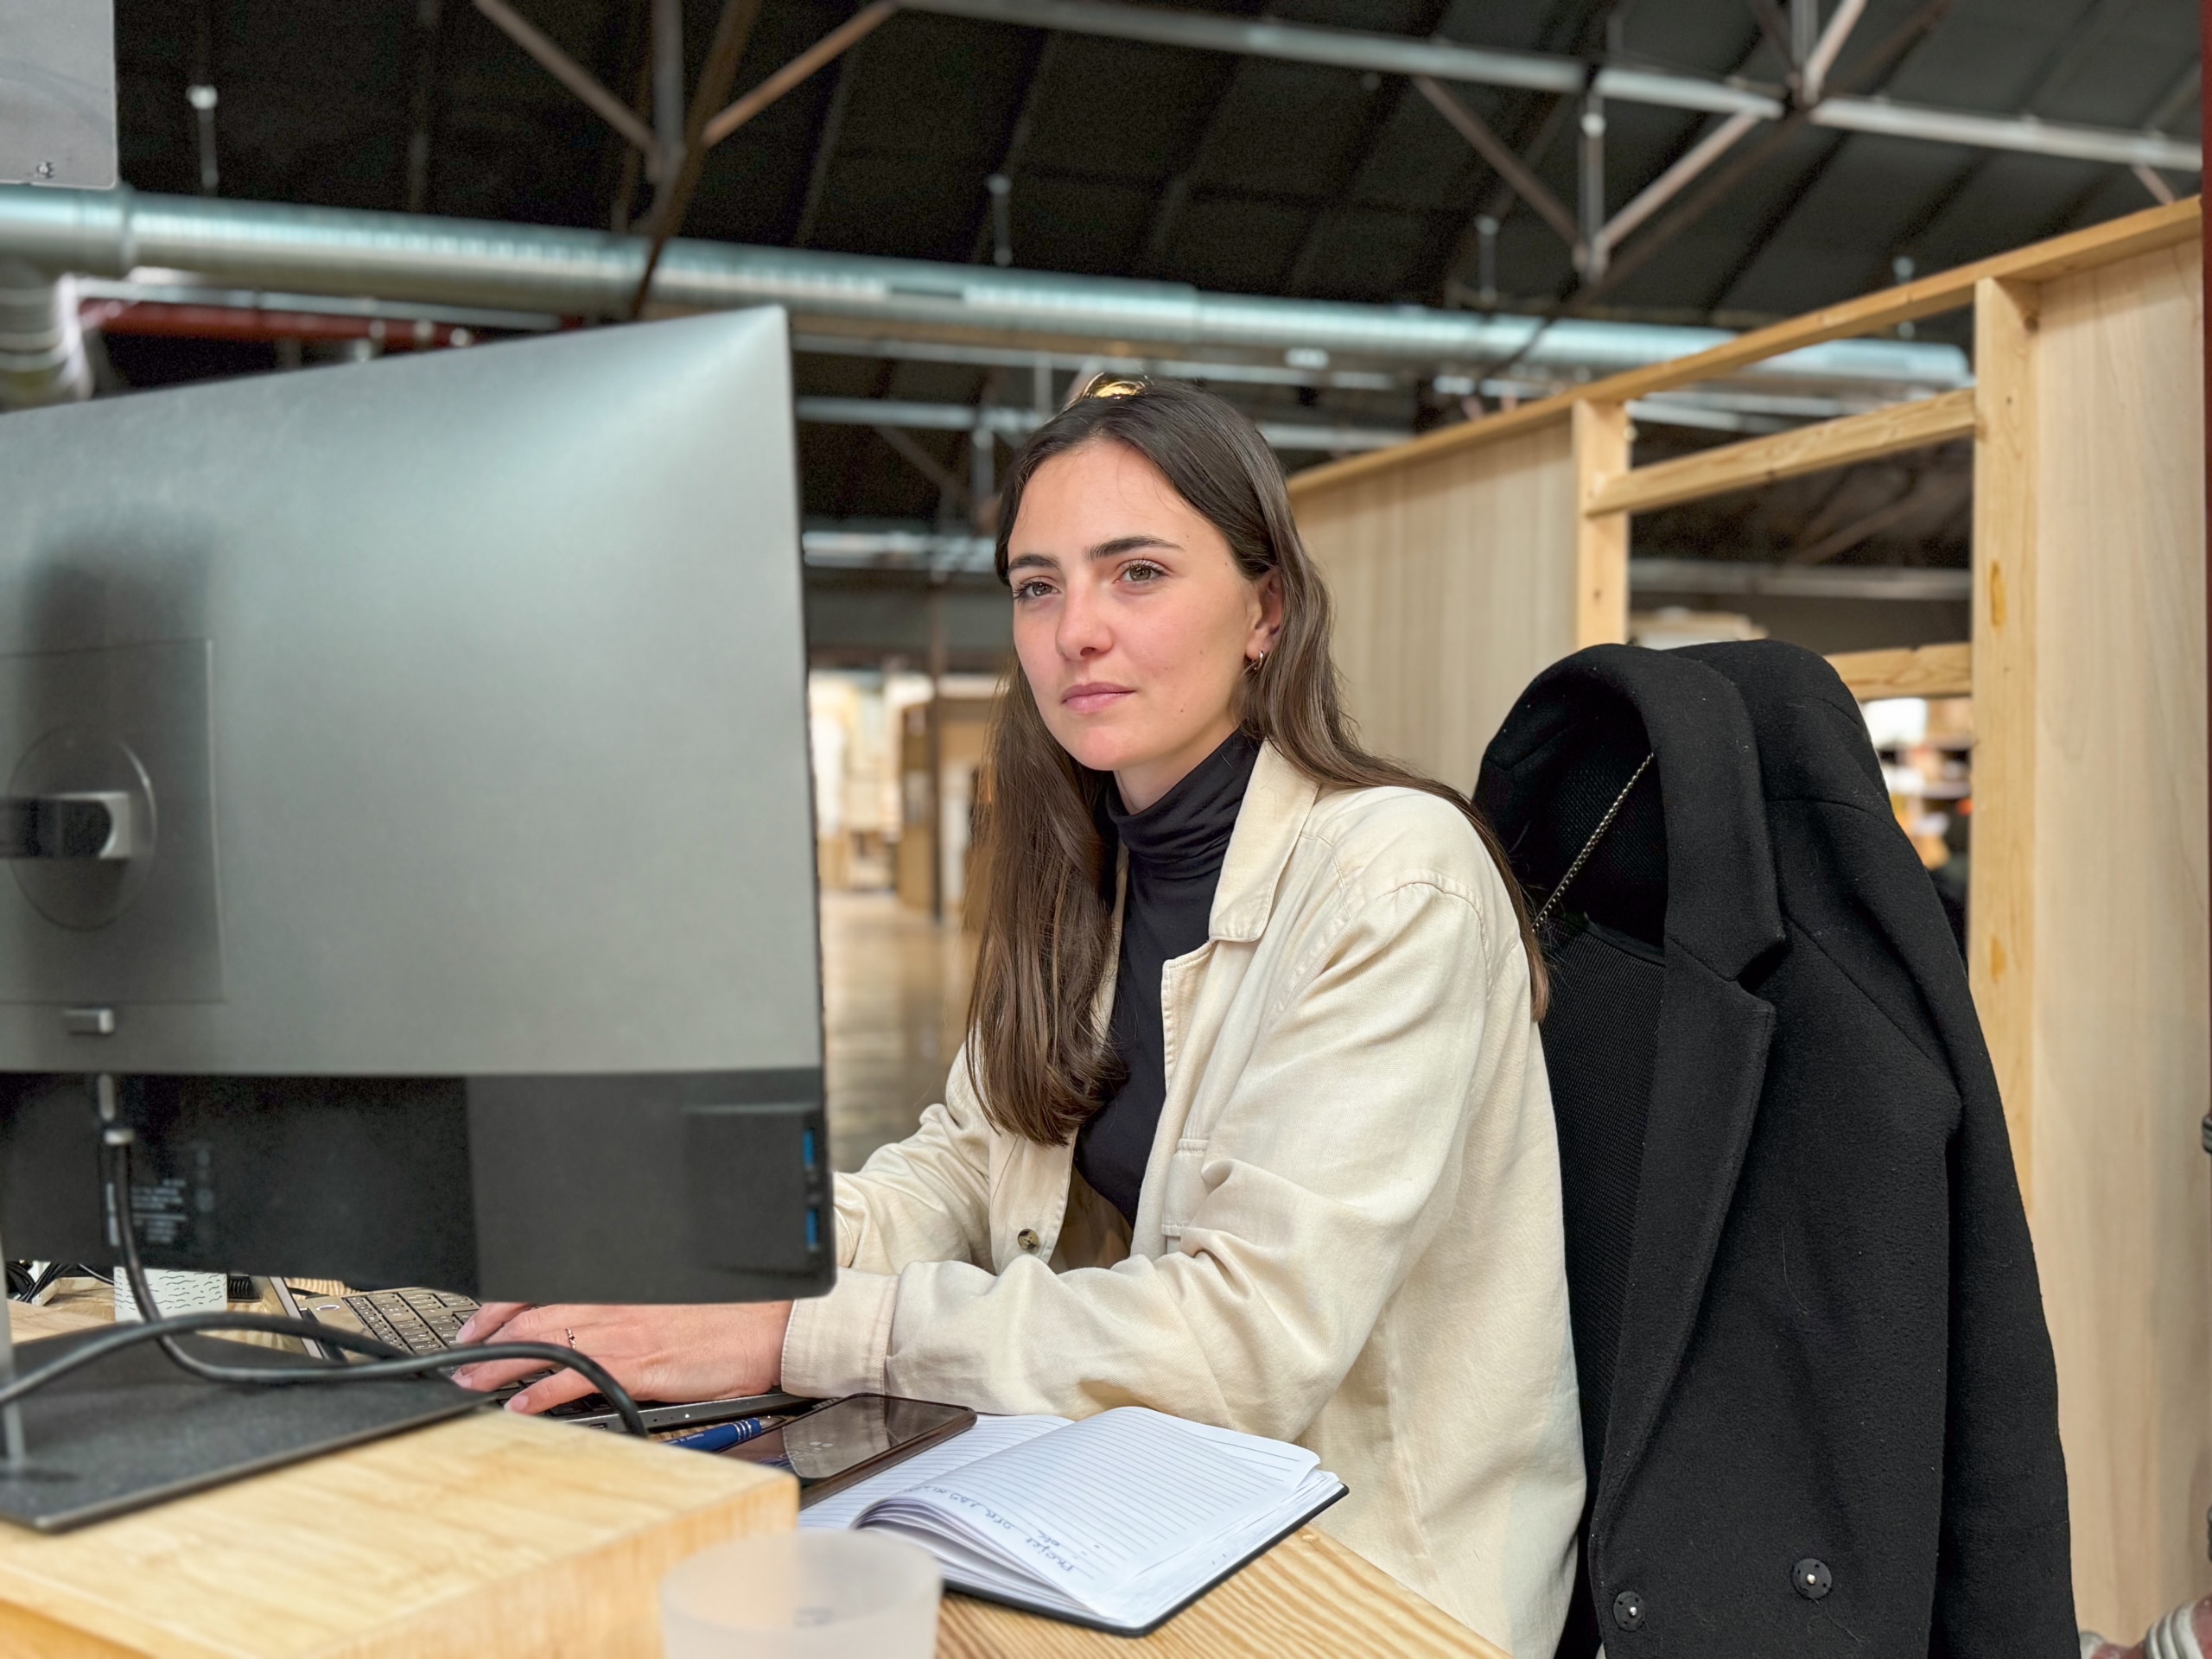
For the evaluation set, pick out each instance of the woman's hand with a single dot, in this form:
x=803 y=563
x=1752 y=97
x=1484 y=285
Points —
x=710 y=1352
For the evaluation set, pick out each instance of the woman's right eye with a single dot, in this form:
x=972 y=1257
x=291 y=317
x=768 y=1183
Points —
x=1034 y=588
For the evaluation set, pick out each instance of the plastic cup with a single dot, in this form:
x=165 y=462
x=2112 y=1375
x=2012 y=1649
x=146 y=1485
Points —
x=803 y=1595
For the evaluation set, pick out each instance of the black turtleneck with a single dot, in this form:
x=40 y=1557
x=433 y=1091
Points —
x=1175 y=847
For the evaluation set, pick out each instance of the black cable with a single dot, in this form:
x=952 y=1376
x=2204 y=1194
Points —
x=113 y=1342
x=386 y=1361
x=47 y=1275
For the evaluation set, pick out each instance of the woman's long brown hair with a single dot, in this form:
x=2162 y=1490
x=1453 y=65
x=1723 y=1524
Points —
x=1045 y=872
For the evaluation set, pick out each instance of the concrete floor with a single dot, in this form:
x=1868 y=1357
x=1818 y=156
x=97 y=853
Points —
x=894 y=989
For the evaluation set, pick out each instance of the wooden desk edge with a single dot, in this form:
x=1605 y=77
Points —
x=1308 y=1598
x=595 y=1596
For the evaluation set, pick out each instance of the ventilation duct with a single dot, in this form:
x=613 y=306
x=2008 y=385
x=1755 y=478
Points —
x=594 y=274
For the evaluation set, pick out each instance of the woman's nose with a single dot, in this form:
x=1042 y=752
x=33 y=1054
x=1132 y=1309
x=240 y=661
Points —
x=1083 y=626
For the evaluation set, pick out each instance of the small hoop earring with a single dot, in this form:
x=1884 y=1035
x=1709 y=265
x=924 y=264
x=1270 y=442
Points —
x=1254 y=665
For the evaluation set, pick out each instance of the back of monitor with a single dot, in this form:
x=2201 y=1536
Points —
x=469 y=933
x=468 y=692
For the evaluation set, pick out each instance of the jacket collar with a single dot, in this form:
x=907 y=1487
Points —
x=1723 y=907
x=1268 y=823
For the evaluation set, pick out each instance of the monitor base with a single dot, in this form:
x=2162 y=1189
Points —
x=134 y=1430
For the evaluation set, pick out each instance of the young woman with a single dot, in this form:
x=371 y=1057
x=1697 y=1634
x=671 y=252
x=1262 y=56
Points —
x=1252 y=1124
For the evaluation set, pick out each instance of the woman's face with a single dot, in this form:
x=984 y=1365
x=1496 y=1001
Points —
x=1132 y=621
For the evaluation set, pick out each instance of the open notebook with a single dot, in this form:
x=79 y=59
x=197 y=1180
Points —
x=1117 y=1521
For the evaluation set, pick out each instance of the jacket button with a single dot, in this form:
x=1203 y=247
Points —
x=1628 y=1609
x=1027 y=1239
x=1811 y=1579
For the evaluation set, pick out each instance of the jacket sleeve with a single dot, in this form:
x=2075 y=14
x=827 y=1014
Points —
x=924 y=1198
x=1327 y=1170
x=2004 y=1576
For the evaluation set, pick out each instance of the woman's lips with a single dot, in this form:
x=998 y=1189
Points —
x=1092 y=695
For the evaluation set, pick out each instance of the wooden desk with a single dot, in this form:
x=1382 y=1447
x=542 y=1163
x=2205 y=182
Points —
x=485 y=1537
x=495 y=1536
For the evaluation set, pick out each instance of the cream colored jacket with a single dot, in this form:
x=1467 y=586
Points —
x=1349 y=1231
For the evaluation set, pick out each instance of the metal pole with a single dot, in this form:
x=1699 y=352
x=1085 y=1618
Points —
x=982 y=468
x=11 y=1414
x=1804 y=30
x=1000 y=188
x=1486 y=257
x=423 y=104
x=1593 y=203
x=668 y=90
x=934 y=729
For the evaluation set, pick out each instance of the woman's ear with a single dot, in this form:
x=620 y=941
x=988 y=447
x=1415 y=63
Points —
x=1267 y=625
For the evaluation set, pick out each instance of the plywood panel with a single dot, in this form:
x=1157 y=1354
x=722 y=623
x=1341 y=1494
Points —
x=2119 y=1192
x=1454 y=582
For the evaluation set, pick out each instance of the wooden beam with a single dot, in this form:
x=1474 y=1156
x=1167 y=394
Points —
x=1446 y=440
x=1785 y=454
x=1949 y=290
x=2000 y=909
x=1946 y=290
x=1601 y=455
x=1922 y=671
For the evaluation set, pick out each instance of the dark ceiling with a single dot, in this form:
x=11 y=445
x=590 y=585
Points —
x=1136 y=160
x=1149 y=161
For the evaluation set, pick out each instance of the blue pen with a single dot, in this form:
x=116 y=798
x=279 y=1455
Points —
x=722 y=1436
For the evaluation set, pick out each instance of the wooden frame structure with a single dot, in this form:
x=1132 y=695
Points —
x=1466 y=560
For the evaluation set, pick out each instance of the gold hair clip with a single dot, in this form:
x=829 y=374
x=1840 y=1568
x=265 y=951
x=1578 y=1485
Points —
x=1104 y=388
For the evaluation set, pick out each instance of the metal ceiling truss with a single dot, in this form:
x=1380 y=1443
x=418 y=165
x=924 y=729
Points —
x=663 y=143
x=1441 y=59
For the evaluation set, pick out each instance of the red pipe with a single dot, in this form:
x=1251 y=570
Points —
x=248 y=323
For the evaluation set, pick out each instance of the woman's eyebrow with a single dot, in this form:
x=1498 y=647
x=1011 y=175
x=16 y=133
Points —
x=1023 y=561
x=1130 y=544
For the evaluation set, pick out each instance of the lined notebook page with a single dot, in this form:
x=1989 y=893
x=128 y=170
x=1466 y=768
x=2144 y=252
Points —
x=1088 y=1510
x=988 y=1434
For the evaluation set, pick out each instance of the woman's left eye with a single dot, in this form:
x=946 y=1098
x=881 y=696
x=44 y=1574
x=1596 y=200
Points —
x=1142 y=572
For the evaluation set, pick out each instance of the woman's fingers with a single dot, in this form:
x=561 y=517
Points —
x=486 y=1319
x=520 y=1322
x=555 y=1391
x=497 y=1374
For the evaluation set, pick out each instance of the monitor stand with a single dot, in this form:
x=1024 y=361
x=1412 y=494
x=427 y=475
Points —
x=136 y=1428
x=133 y=1429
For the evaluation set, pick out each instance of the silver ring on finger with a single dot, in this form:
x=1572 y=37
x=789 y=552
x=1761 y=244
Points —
x=572 y=1339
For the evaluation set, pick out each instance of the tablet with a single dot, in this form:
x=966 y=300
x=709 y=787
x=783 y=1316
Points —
x=852 y=1439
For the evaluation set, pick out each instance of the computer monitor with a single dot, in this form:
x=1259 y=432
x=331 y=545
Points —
x=443 y=721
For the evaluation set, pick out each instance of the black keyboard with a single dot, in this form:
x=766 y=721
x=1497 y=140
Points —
x=416 y=1321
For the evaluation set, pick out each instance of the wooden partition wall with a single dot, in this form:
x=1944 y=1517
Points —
x=1465 y=560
